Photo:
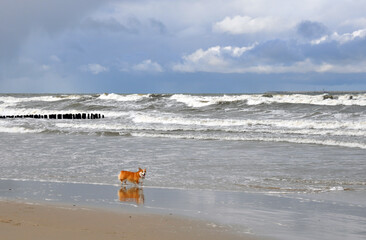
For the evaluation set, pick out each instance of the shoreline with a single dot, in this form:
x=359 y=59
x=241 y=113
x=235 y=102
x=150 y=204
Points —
x=114 y=199
x=39 y=221
x=334 y=215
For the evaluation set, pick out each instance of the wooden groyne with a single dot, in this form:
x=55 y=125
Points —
x=58 y=116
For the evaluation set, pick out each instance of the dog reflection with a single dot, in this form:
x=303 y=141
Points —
x=132 y=194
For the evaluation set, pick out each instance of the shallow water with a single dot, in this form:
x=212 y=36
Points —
x=184 y=163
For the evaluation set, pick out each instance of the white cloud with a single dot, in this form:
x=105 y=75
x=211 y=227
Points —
x=349 y=36
x=236 y=60
x=45 y=67
x=341 y=38
x=55 y=58
x=283 y=56
x=148 y=66
x=214 y=59
x=246 y=24
x=94 y=68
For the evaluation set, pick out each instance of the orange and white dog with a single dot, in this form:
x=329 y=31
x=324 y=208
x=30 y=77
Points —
x=134 y=177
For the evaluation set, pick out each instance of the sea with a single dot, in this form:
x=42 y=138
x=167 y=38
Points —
x=310 y=144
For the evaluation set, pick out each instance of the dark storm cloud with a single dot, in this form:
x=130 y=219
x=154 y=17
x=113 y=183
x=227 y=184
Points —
x=288 y=52
x=19 y=18
x=311 y=30
x=276 y=51
x=335 y=53
x=73 y=40
x=110 y=25
x=158 y=26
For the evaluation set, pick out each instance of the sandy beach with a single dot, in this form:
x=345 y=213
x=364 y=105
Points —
x=34 y=221
x=30 y=209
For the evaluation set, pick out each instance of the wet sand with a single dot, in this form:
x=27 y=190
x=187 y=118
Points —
x=186 y=213
x=35 y=221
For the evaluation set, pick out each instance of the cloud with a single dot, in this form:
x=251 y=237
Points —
x=94 y=68
x=249 y=25
x=107 y=25
x=158 y=26
x=341 y=38
x=20 y=18
x=55 y=58
x=148 y=66
x=213 y=36
x=311 y=30
x=276 y=51
x=36 y=77
x=355 y=22
x=339 y=54
x=214 y=59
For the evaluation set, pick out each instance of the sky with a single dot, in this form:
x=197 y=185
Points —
x=182 y=46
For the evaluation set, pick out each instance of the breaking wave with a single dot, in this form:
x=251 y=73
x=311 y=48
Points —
x=333 y=119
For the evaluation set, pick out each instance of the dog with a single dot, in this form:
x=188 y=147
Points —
x=134 y=177
x=133 y=194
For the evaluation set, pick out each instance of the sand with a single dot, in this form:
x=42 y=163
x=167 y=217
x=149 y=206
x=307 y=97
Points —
x=157 y=213
x=39 y=221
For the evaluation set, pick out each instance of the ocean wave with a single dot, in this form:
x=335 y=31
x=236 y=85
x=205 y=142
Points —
x=4 y=129
x=279 y=123
x=228 y=118
x=198 y=101
x=194 y=128
x=257 y=99
x=123 y=98
x=11 y=100
x=261 y=139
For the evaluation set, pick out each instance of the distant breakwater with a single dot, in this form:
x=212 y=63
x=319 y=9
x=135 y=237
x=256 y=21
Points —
x=58 y=116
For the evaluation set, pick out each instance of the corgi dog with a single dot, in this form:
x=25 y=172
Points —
x=133 y=177
x=133 y=194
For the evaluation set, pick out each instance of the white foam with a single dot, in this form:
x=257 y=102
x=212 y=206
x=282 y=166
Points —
x=262 y=139
x=17 y=130
x=13 y=100
x=256 y=99
x=280 y=123
x=116 y=127
x=122 y=98
x=103 y=126
x=202 y=101
x=337 y=188
x=92 y=126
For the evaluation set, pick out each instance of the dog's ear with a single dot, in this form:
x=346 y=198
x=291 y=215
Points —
x=145 y=169
x=140 y=169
